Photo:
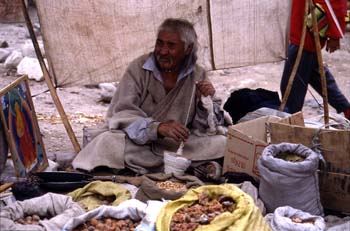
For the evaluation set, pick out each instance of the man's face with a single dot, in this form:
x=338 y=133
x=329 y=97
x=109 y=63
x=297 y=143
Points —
x=170 y=51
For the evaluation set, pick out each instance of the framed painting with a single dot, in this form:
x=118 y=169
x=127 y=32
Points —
x=21 y=128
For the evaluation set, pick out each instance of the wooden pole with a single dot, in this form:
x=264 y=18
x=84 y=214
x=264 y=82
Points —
x=5 y=186
x=297 y=60
x=320 y=64
x=48 y=80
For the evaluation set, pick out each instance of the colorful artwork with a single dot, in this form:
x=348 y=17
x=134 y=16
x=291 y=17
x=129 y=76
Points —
x=23 y=134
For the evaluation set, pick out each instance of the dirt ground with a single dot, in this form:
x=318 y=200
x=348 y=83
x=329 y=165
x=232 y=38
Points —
x=84 y=107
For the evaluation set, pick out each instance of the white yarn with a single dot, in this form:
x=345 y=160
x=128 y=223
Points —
x=179 y=151
x=207 y=102
x=175 y=164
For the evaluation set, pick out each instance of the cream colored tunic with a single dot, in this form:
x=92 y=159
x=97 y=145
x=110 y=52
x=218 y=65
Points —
x=141 y=95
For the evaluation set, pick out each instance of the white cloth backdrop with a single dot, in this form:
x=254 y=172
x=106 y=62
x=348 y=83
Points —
x=90 y=42
x=248 y=32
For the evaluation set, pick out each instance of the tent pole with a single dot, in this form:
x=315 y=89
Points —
x=48 y=80
x=320 y=64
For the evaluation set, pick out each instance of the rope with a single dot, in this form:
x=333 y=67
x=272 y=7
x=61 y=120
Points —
x=182 y=144
x=191 y=100
x=316 y=144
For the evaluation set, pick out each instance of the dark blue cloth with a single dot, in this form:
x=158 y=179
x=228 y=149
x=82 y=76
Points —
x=308 y=73
x=247 y=100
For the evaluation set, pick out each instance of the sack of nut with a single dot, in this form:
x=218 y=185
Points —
x=288 y=218
x=210 y=208
x=51 y=215
x=98 y=192
x=289 y=177
x=160 y=186
x=129 y=215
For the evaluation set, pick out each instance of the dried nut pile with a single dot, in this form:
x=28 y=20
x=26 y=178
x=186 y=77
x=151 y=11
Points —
x=170 y=185
x=107 y=224
x=29 y=220
x=202 y=212
x=291 y=157
x=299 y=220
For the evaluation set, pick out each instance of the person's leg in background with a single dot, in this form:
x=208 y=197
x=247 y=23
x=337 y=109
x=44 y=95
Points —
x=335 y=97
x=297 y=94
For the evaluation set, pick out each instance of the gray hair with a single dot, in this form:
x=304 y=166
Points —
x=185 y=29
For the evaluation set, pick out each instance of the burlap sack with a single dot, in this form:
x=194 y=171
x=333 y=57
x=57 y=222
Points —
x=150 y=191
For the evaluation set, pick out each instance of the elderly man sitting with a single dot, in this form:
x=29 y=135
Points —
x=158 y=105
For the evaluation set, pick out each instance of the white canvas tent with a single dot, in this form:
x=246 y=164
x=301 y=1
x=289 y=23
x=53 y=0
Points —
x=248 y=32
x=89 y=42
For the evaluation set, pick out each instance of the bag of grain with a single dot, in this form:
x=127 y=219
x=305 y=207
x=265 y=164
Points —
x=289 y=178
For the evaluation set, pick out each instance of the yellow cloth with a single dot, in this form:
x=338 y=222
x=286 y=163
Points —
x=245 y=217
x=88 y=195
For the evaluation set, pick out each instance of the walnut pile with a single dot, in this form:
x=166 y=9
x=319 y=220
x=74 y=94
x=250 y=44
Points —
x=170 y=185
x=29 y=220
x=108 y=224
x=301 y=221
x=202 y=212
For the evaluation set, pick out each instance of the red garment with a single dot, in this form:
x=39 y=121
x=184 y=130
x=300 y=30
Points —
x=297 y=19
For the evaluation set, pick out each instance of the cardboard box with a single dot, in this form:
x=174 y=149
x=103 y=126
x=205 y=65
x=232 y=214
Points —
x=245 y=143
x=247 y=140
x=335 y=191
x=334 y=145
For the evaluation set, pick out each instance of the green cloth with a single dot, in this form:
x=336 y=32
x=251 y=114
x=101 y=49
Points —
x=89 y=194
x=245 y=217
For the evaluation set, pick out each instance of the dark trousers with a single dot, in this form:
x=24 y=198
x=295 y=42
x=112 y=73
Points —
x=308 y=73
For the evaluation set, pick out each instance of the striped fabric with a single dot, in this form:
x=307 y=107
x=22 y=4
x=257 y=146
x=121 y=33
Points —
x=322 y=22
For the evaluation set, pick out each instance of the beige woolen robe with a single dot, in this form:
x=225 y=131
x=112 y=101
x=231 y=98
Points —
x=141 y=95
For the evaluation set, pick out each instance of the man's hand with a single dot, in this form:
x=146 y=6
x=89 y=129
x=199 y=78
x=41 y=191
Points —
x=175 y=130
x=332 y=45
x=206 y=88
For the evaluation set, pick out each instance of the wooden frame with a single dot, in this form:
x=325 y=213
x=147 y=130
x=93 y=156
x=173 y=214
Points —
x=21 y=127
